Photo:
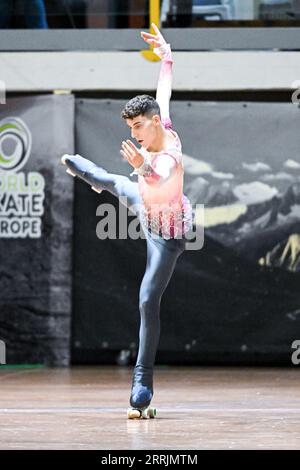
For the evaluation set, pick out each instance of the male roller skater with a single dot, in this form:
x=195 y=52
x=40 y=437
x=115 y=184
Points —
x=164 y=211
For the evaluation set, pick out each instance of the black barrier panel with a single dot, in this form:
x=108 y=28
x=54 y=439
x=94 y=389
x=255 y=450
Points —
x=237 y=299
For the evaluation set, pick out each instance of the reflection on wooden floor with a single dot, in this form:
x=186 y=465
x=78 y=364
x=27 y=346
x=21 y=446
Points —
x=198 y=408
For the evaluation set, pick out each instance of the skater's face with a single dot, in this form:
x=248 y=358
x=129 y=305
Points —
x=144 y=129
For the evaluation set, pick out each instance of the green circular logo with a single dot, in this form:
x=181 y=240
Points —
x=15 y=144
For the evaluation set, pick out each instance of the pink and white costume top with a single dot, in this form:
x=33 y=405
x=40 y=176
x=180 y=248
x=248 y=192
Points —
x=165 y=210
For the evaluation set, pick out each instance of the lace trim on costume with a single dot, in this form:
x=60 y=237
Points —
x=168 y=222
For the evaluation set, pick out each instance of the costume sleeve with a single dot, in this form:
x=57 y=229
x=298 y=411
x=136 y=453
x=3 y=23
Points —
x=159 y=170
x=164 y=86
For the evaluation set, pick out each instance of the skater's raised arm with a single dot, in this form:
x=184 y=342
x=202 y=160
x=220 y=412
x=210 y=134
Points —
x=164 y=86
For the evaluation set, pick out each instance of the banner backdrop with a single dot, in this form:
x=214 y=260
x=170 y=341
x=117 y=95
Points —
x=36 y=202
x=238 y=299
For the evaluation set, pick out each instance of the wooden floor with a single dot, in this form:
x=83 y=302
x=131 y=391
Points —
x=198 y=408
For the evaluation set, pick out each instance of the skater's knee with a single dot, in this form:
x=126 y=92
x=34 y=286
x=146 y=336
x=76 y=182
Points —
x=149 y=301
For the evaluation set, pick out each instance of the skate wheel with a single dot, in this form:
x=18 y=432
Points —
x=152 y=412
x=133 y=413
x=149 y=413
x=145 y=413
x=97 y=190
x=63 y=159
x=70 y=172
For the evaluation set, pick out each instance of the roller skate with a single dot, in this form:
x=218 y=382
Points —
x=65 y=160
x=141 y=394
x=141 y=413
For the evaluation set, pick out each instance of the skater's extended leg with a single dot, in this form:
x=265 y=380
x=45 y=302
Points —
x=161 y=262
x=99 y=178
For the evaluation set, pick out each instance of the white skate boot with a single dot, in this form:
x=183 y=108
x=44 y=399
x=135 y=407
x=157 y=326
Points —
x=64 y=161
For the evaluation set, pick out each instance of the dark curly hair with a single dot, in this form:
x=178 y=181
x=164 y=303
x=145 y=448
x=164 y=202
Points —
x=145 y=105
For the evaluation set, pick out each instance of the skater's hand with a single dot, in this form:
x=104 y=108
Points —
x=155 y=40
x=131 y=153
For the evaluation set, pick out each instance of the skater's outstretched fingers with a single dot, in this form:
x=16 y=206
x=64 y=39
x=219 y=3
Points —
x=158 y=33
x=132 y=154
x=128 y=149
x=126 y=153
x=132 y=146
x=151 y=41
x=156 y=39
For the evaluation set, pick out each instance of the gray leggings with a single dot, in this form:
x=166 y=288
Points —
x=162 y=255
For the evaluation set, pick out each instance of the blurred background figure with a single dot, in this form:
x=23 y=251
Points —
x=23 y=14
x=183 y=12
x=279 y=9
